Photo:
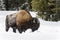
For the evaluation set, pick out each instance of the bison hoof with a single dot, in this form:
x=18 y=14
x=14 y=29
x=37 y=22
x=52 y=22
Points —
x=6 y=30
x=14 y=31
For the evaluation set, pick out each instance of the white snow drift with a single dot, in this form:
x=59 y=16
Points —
x=47 y=30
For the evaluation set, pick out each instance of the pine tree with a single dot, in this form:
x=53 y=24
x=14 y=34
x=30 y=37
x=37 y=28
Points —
x=40 y=6
x=47 y=9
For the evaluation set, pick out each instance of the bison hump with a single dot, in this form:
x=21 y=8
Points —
x=22 y=17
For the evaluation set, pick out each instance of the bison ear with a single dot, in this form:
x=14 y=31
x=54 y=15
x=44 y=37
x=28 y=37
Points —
x=34 y=21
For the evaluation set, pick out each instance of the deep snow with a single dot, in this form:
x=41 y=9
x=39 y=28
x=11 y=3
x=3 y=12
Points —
x=47 y=31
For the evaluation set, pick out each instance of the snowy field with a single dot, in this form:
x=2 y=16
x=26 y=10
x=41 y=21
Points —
x=47 y=31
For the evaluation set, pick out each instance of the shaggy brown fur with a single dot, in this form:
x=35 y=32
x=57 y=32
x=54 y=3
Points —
x=22 y=17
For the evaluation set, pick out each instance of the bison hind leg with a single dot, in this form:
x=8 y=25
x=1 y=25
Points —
x=7 y=28
x=14 y=29
x=6 y=23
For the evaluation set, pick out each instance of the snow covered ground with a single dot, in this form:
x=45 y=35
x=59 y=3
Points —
x=47 y=31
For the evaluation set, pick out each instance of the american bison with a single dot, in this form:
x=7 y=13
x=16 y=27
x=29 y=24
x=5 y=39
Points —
x=20 y=23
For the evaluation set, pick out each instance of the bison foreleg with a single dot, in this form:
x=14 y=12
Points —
x=19 y=29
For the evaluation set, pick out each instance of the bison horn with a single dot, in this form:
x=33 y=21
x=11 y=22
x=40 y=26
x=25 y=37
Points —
x=34 y=21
